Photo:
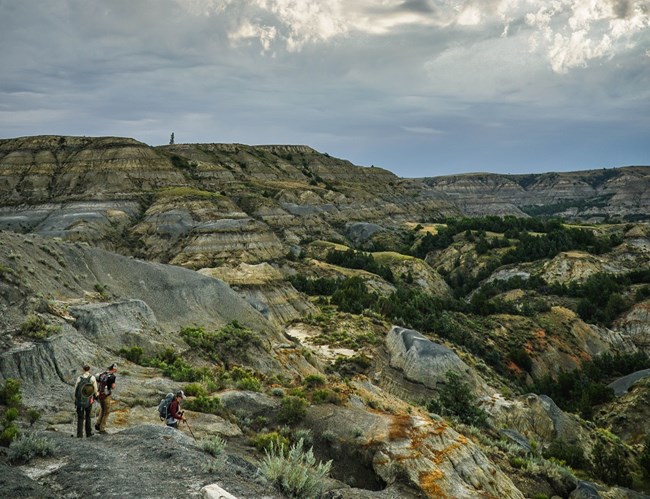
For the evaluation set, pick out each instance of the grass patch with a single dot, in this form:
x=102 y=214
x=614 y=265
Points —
x=214 y=446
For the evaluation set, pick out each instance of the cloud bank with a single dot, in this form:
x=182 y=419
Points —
x=418 y=86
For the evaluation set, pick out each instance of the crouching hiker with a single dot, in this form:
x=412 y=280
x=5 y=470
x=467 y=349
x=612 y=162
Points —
x=174 y=413
x=85 y=389
x=106 y=387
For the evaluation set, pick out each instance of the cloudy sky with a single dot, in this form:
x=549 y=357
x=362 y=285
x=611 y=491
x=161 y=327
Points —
x=421 y=87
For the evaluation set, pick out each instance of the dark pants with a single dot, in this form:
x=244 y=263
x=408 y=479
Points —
x=83 y=416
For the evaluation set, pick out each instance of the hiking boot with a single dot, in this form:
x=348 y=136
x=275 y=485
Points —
x=89 y=435
x=97 y=426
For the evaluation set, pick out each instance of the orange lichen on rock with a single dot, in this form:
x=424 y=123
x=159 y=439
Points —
x=440 y=455
x=428 y=483
x=120 y=417
x=440 y=429
x=399 y=427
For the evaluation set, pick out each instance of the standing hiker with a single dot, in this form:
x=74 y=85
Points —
x=85 y=389
x=174 y=413
x=106 y=386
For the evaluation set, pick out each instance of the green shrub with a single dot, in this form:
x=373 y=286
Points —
x=295 y=472
x=328 y=436
x=571 y=454
x=277 y=392
x=9 y=433
x=250 y=384
x=168 y=356
x=297 y=391
x=293 y=409
x=520 y=357
x=208 y=405
x=353 y=296
x=610 y=465
x=33 y=415
x=180 y=370
x=195 y=390
x=36 y=328
x=11 y=414
x=230 y=342
x=325 y=396
x=455 y=398
x=267 y=441
x=213 y=446
x=134 y=354
x=305 y=435
x=314 y=380
x=10 y=393
x=353 y=259
x=25 y=447
x=644 y=458
x=351 y=366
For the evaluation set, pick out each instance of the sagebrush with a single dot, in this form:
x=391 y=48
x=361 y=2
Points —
x=295 y=472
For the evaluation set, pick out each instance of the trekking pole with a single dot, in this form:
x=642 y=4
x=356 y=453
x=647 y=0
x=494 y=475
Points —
x=188 y=427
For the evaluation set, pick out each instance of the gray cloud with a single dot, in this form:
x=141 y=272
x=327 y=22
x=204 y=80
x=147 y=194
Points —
x=623 y=8
x=421 y=6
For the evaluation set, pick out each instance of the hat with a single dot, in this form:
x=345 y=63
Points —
x=180 y=394
x=88 y=390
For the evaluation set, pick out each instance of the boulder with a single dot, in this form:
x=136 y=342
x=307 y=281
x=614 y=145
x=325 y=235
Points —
x=623 y=384
x=213 y=491
x=426 y=362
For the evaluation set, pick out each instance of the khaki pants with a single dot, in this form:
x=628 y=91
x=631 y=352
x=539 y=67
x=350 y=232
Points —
x=105 y=404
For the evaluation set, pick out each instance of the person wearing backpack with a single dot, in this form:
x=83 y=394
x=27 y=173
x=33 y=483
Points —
x=174 y=413
x=85 y=389
x=106 y=382
x=163 y=406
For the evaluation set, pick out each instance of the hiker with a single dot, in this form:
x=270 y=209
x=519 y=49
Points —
x=174 y=413
x=85 y=390
x=106 y=387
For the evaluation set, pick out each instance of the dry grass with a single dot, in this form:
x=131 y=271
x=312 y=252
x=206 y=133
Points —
x=430 y=228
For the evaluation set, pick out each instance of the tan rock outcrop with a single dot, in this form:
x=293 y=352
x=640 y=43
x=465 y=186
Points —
x=426 y=454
